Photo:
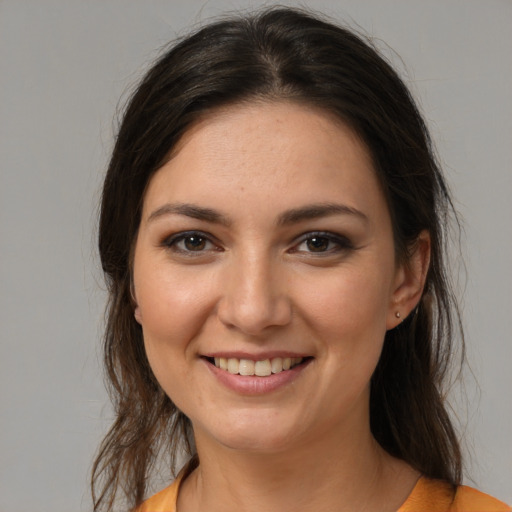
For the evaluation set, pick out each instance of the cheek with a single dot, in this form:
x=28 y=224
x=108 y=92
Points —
x=173 y=308
x=352 y=296
x=172 y=303
x=349 y=310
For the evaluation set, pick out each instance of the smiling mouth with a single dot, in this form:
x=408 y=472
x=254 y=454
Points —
x=263 y=368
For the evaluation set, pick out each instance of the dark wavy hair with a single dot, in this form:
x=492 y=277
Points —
x=279 y=54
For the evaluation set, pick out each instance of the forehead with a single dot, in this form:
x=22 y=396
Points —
x=270 y=152
x=278 y=129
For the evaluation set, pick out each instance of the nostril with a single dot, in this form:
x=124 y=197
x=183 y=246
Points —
x=254 y=317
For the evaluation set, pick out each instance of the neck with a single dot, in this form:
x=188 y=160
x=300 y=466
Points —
x=353 y=474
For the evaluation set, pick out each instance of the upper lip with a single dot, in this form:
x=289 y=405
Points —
x=260 y=356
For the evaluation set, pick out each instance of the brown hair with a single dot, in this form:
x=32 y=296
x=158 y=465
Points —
x=292 y=55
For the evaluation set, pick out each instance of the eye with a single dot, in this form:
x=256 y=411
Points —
x=318 y=244
x=190 y=242
x=194 y=243
x=322 y=243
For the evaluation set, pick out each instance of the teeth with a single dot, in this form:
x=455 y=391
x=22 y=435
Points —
x=277 y=365
x=233 y=365
x=262 y=368
x=246 y=367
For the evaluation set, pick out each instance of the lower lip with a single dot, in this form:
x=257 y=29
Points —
x=254 y=385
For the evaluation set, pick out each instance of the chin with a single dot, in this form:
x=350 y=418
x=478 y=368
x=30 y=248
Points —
x=253 y=435
x=257 y=444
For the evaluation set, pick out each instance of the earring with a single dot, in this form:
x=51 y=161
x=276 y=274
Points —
x=397 y=314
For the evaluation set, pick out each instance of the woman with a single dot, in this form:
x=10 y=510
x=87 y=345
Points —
x=272 y=232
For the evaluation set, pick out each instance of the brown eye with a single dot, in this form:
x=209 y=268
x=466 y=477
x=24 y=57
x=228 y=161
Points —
x=194 y=243
x=190 y=243
x=318 y=244
x=323 y=244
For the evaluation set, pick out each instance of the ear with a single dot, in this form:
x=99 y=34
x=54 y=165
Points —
x=136 y=310
x=137 y=314
x=409 y=281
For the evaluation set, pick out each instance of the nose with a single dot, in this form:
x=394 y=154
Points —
x=254 y=297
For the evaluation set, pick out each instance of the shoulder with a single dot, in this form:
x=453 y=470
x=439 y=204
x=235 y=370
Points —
x=438 y=496
x=471 y=500
x=164 y=501
x=427 y=496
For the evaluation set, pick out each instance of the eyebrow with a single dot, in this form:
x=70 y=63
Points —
x=293 y=216
x=190 y=210
x=316 y=211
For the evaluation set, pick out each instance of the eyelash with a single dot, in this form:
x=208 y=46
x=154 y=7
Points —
x=341 y=243
x=173 y=241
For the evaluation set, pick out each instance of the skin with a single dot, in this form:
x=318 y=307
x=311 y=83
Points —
x=256 y=279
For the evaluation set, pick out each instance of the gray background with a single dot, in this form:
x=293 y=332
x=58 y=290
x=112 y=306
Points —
x=63 y=66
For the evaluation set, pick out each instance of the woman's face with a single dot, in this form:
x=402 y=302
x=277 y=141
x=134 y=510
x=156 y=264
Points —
x=266 y=242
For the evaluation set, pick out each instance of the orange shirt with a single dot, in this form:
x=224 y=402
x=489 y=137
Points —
x=427 y=496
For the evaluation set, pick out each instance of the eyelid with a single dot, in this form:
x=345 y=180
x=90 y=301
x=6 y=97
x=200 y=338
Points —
x=343 y=242
x=170 y=242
